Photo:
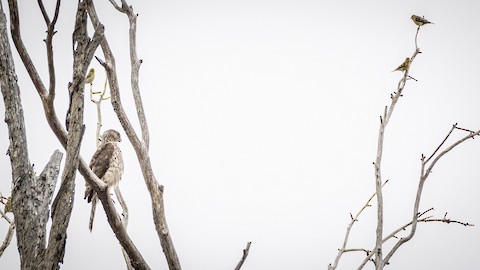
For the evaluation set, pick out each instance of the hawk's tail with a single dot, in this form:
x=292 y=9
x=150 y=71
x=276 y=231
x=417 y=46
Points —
x=92 y=212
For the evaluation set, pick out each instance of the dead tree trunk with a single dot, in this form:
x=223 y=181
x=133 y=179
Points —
x=31 y=194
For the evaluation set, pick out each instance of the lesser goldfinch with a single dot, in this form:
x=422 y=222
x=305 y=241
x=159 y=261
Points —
x=90 y=76
x=420 y=21
x=8 y=205
x=404 y=66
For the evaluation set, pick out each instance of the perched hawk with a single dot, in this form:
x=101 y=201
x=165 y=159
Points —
x=107 y=164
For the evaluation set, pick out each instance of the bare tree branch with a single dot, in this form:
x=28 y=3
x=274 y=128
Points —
x=141 y=147
x=22 y=51
x=125 y=216
x=405 y=226
x=135 y=63
x=49 y=44
x=8 y=236
x=347 y=233
x=441 y=144
x=378 y=174
x=244 y=256
x=11 y=228
x=423 y=177
x=415 y=220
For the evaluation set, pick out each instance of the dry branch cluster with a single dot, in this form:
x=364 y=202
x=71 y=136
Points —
x=376 y=255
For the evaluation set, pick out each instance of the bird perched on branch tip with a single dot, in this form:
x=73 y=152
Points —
x=420 y=21
x=404 y=66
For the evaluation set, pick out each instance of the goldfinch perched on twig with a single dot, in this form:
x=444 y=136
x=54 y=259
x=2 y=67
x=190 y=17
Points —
x=420 y=21
x=90 y=76
x=8 y=205
x=404 y=66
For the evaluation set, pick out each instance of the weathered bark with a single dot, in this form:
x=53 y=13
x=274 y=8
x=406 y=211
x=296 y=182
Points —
x=63 y=204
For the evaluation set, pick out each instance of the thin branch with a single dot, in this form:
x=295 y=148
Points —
x=349 y=227
x=21 y=49
x=135 y=64
x=8 y=236
x=98 y=104
x=416 y=35
x=44 y=12
x=244 y=256
x=115 y=5
x=464 y=129
x=441 y=144
x=357 y=249
x=125 y=216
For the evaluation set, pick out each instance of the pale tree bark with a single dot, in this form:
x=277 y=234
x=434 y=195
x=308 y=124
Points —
x=31 y=194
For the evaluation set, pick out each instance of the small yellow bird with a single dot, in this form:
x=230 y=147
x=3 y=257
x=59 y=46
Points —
x=8 y=205
x=404 y=66
x=420 y=21
x=90 y=76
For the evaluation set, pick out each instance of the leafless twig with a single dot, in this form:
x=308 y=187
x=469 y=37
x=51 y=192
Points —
x=244 y=256
x=405 y=226
x=8 y=236
x=354 y=219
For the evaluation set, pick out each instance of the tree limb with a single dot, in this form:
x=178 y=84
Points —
x=8 y=237
x=378 y=174
x=141 y=148
x=63 y=203
x=244 y=256
x=423 y=177
x=354 y=219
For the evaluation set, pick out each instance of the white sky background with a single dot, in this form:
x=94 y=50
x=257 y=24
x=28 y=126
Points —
x=263 y=118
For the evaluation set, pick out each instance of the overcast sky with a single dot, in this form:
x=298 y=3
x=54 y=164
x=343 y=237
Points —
x=264 y=118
